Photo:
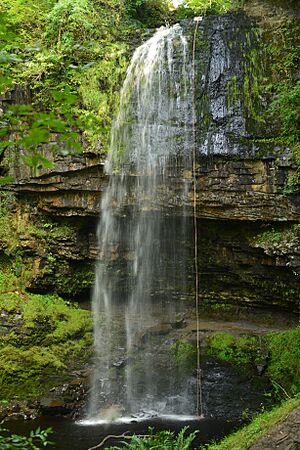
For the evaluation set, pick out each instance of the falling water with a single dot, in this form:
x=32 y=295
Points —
x=140 y=274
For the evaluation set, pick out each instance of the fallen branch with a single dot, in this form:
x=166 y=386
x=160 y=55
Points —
x=120 y=436
x=111 y=436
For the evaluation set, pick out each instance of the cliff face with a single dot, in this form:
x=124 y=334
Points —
x=249 y=250
x=241 y=184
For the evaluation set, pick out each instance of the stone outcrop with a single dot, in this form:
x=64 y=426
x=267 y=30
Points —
x=72 y=188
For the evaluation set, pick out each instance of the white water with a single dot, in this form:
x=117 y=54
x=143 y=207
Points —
x=141 y=271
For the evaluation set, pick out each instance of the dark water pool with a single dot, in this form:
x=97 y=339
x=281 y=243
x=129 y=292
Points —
x=69 y=435
x=227 y=394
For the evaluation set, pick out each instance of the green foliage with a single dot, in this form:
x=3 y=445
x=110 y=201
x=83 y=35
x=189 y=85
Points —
x=30 y=130
x=163 y=440
x=288 y=105
x=184 y=355
x=282 y=49
x=274 y=236
x=78 y=48
x=279 y=351
x=243 y=350
x=6 y=180
x=190 y=8
x=36 y=440
x=283 y=368
x=70 y=21
x=152 y=13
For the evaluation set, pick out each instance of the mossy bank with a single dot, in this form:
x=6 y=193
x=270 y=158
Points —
x=43 y=338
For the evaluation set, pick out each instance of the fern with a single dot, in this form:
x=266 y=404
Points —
x=163 y=440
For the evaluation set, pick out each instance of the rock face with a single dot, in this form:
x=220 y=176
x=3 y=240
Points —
x=226 y=189
x=246 y=190
x=72 y=188
x=228 y=60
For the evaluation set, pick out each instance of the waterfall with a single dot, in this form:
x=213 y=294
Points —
x=142 y=269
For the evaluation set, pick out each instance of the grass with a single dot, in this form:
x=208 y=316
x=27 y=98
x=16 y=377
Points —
x=261 y=424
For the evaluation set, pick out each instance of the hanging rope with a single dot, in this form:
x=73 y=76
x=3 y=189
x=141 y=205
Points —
x=199 y=378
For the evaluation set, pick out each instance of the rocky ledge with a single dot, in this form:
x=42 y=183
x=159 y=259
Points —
x=227 y=188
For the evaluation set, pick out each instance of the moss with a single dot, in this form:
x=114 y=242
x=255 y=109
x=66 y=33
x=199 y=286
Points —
x=279 y=352
x=42 y=336
x=64 y=278
x=26 y=240
x=281 y=45
x=242 y=351
x=252 y=88
x=233 y=92
x=184 y=355
x=284 y=355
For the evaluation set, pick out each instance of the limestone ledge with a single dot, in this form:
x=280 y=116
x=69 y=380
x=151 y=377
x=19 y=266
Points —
x=226 y=189
x=72 y=187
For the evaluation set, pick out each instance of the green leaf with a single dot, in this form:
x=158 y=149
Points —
x=6 y=180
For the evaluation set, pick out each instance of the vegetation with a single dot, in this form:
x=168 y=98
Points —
x=274 y=236
x=63 y=63
x=243 y=350
x=282 y=89
x=28 y=245
x=184 y=355
x=35 y=441
x=279 y=352
x=164 y=440
x=190 y=8
x=41 y=334
x=283 y=366
x=261 y=424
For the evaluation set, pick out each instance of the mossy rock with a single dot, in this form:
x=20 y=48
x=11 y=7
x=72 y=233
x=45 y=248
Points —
x=41 y=338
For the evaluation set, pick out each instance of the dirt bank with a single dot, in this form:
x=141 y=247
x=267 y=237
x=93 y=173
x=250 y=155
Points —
x=283 y=436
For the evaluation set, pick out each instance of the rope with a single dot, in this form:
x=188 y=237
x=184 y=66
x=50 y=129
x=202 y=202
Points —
x=199 y=380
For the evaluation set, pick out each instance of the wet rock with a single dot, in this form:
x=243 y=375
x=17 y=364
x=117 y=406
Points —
x=178 y=323
x=157 y=330
x=120 y=362
x=68 y=399
x=261 y=368
x=19 y=410
x=52 y=407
